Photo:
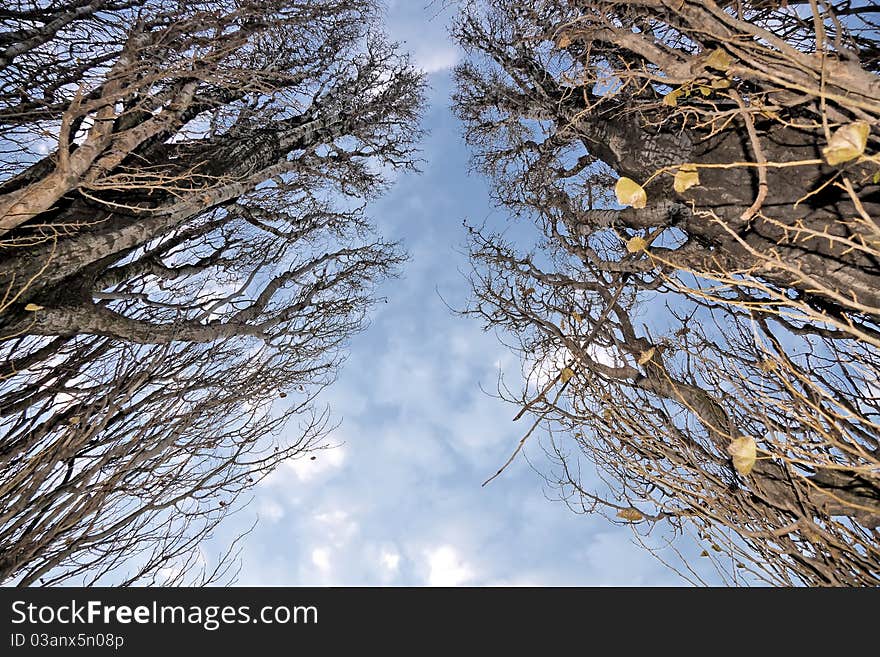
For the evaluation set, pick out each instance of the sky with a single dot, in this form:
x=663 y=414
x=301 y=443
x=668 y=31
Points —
x=399 y=501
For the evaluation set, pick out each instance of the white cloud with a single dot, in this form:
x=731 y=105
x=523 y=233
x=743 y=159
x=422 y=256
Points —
x=305 y=470
x=422 y=29
x=321 y=559
x=548 y=367
x=269 y=509
x=605 y=355
x=437 y=60
x=64 y=401
x=336 y=526
x=446 y=568
x=390 y=560
x=84 y=128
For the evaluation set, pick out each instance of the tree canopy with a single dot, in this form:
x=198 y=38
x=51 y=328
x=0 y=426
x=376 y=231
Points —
x=698 y=324
x=183 y=255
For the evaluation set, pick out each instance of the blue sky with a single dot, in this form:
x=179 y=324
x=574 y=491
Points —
x=399 y=502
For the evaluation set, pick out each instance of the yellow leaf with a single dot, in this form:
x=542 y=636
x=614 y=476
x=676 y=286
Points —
x=720 y=83
x=629 y=192
x=876 y=178
x=719 y=60
x=74 y=419
x=631 y=514
x=744 y=453
x=706 y=91
x=566 y=374
x=607 y=414
x=645 y=356
x=716 y=548
x=563 y=41
x=686 y=177
x=671 y=99
x=32 y=307
x=636 y=244
x=576 y=316
x=768 y=365
x=847 y=143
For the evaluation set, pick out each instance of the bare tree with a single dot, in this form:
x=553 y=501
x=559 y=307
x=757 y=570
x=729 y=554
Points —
x=699 y=324
x=182 y=244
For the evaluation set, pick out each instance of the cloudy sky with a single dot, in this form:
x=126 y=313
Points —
x=399 y=502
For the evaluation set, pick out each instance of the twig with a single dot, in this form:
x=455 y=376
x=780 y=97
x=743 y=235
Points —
x=760 y=158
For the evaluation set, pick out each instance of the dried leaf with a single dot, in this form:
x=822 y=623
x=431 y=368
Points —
x=74 y=420
x=563 y=41
x=566 y=374
x=528 y=291
x=645 y=356
x=768 y=365
x=629 y=192
x=716 y=548
x=32 y=307
x=686 y=177
x=744 y=453
x=671 y=99
x=719 y=60
x=704 y=554
x=720 y=83
x=847 y=143
x=706 y=91
x=636 y=244
x=576 y=316
x=631 y=514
